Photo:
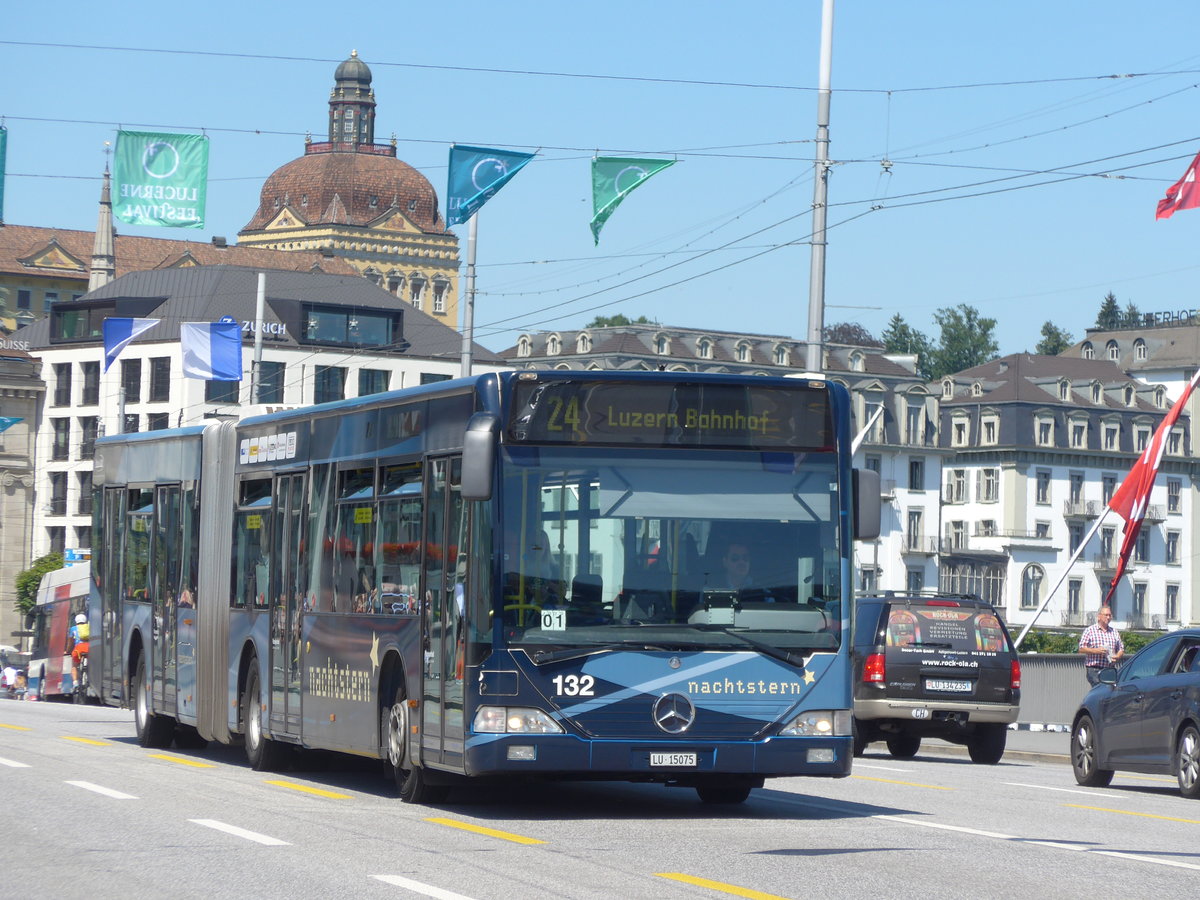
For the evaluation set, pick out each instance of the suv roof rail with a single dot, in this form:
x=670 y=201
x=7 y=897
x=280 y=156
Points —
x=919 y=596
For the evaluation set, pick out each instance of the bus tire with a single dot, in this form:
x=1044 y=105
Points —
x=412 y=782
x=724 y=791
x=263 y=753
x=152 y=730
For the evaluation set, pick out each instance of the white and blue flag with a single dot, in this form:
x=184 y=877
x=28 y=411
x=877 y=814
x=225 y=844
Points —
x=476 y=173
x=211 y=350
x=119 y=332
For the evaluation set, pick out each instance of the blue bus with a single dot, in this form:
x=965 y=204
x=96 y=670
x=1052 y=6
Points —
x=638 y=576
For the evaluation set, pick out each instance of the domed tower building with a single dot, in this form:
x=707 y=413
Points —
x=352 y=198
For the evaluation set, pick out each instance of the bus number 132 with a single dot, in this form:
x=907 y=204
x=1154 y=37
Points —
x=574 y=685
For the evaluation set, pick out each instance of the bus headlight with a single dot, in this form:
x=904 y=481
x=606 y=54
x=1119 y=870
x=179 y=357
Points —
x=513 y=720
x=819 y=723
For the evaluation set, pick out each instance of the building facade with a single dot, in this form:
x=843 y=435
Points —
x=21 y=392
x=323 y=338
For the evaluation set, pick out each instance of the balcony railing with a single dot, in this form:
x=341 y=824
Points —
x=1104 y=562
x=1078 y=619
x=920 y=544
x=1082 y=509
x=1156 y=512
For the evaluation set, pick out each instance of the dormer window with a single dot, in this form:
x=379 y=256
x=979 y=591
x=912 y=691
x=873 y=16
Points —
x=583 y=344
x=781 y=355
x=662 y=345
x=1113 y=351
x=976 y=389
x=1097 y=392
x=947 y=389
x=1087 y=350
x=1139 y=349
x=524 y=346
x=553 y=345
x=743 y=353
x=1064 y=390
x=857 y=362
x=1129 y=396
x=1160 y=397
x=704 y=348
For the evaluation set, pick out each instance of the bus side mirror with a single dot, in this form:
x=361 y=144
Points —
x=479 y=456
x=868 y=504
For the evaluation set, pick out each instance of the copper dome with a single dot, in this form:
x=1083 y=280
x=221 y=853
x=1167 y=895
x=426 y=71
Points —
x=347 y=188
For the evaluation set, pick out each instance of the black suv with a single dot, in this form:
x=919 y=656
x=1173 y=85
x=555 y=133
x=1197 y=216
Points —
x=933 y=665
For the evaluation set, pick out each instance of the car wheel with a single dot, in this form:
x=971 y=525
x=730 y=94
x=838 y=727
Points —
x=860 y=738
x=986 y=746
x=1083 y=755
x=1187 y=762
x=903 y=746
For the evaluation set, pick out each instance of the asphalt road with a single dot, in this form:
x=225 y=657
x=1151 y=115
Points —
x=91 y=815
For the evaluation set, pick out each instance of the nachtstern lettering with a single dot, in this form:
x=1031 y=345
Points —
x=729 y=686
x=339 y=682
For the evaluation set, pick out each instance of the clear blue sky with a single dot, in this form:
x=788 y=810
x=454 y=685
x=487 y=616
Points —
x=1022 y=181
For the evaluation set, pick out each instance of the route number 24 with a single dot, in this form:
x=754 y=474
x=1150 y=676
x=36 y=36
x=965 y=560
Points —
x=574 y=685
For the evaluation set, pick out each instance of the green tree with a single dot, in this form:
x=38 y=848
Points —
x=27 y=582
x=900 y=337
x=967 y=340
x=1131 y=318
x=618 y=319
x=1109 y=316
x=1054 y=340
x=850 y=333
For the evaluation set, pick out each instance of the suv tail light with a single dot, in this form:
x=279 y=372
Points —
x=873 y=669
x=1015 y=683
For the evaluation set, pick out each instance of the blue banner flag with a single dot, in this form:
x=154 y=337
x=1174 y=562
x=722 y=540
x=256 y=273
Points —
x=211 y=350
x=118 y=333
x=476 y=173
x=7 y=422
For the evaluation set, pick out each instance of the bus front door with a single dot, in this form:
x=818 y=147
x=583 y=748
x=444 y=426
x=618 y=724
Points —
x=443 y=628
x=287 y=588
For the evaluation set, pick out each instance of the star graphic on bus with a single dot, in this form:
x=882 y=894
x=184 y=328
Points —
x=809 y=677
x=374 y=652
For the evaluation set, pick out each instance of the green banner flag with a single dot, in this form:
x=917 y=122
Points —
x=3 y=154
x=613 y=178
x=160 y=179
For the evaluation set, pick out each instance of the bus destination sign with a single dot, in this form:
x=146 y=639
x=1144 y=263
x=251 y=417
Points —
x=672 y=413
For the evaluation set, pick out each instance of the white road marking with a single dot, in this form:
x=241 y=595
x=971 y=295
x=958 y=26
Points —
x=427 y=890
x=1043 y=787
x=241 y=832
x=880 y=768
x=13 y=764
x=1151 y=859
x=107 y=792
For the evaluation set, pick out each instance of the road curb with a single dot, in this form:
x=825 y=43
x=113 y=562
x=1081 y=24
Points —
x=1026 y=755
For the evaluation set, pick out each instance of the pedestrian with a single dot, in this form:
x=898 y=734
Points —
x=1101 y=644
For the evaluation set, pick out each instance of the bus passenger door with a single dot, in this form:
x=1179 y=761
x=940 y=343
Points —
x=165 y=586
x=443 y=622
x=110 y=641
x=287 y=582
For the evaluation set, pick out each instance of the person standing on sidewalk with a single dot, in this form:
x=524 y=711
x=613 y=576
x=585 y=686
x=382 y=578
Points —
x=1101 y=644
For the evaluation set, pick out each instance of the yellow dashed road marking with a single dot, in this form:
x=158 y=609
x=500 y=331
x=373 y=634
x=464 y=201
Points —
x=932 y=787
x=292 y=786
x=79 y=740
x=1124 y=812
x=490 y=832
x=719 y=886
x=182 y=761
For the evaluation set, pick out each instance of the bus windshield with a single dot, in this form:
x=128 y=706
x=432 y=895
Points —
x=669 y=549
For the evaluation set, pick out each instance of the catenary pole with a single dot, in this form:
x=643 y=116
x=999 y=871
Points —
x=816 y=282
x=469 y=305
x=256 y=368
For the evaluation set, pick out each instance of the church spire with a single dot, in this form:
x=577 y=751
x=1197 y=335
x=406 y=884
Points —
x=104 y=259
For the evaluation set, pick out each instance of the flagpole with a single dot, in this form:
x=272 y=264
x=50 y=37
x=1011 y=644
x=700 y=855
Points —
x=1066 y=571
x=469 y=307
x=256 y=366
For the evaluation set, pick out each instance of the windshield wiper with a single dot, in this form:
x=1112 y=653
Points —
x=544 y=657
x=778 y=653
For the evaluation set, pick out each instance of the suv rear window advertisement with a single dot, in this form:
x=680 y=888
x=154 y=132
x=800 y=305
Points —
x=971 y=631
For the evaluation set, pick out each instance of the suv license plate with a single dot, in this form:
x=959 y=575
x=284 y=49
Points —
x=951 y=686
x=673 y=760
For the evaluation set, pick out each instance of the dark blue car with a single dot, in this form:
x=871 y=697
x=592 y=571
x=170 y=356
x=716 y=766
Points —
x=1144 y=717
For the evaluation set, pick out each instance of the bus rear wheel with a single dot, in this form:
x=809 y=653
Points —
x=412 y=780
x=263 y=754
x=152 y=730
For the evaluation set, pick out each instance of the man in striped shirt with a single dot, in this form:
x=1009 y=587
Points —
x=1101 y=644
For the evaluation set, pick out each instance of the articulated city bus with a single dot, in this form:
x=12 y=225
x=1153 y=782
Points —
x=62 y=595
x=528 y=573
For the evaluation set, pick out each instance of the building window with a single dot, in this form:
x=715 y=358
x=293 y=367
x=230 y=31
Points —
x=868 y=580
x=1031 y=586
x=1172 y=603
x=329 y=383
x=1075 y=533
x=1097 y=392
x=989 y=485
x=83 y=537
x=947 y=389
x=372 y=381
x=873 y=462
x=1075 y=596
x=1139 y=601
x=1141 y=550
x=1141 y=438
x=89 y=430
x=1107 y=536
x=91 y=383
x=158 y=421
x=1075 y=487
x=1129 y=396
x=131 y=380
x=1113 y=351
x=24 y=299
x=914 y=581
x=704 y=349
x=1174 y=442
x=132 y=423
x=956 y=486
x=62 y=439
x=1139 y=349
x=270 y=381
x=1087 y=350
x=583 y=344
x=62 y=384
x=987 y=528
x=1045 y=432
x=1172 y=548
x=222 y=392
x=49 y=298
x=990 y=431
x=1112 y=437
x=743 y=353
x=416 y=290
x=1041 y=530
x=914 y=425
x=57 y=537
x=956 y=534
x=913 y=534
x=958 y=433
x=1108 y=484
x=439 y=297
x=662 y=345
x=1160 y=398
x=1064 y=390
x=1042 y=494
x=58 y=494
x=84 y=507
x=1079 y=435
x=160 y=379
x=916 y=474
x=553 y=345
x=1174 y=493
x=524 y=346
x=433 y=377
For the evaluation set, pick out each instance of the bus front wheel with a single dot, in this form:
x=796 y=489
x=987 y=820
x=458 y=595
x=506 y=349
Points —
x=412 y=780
